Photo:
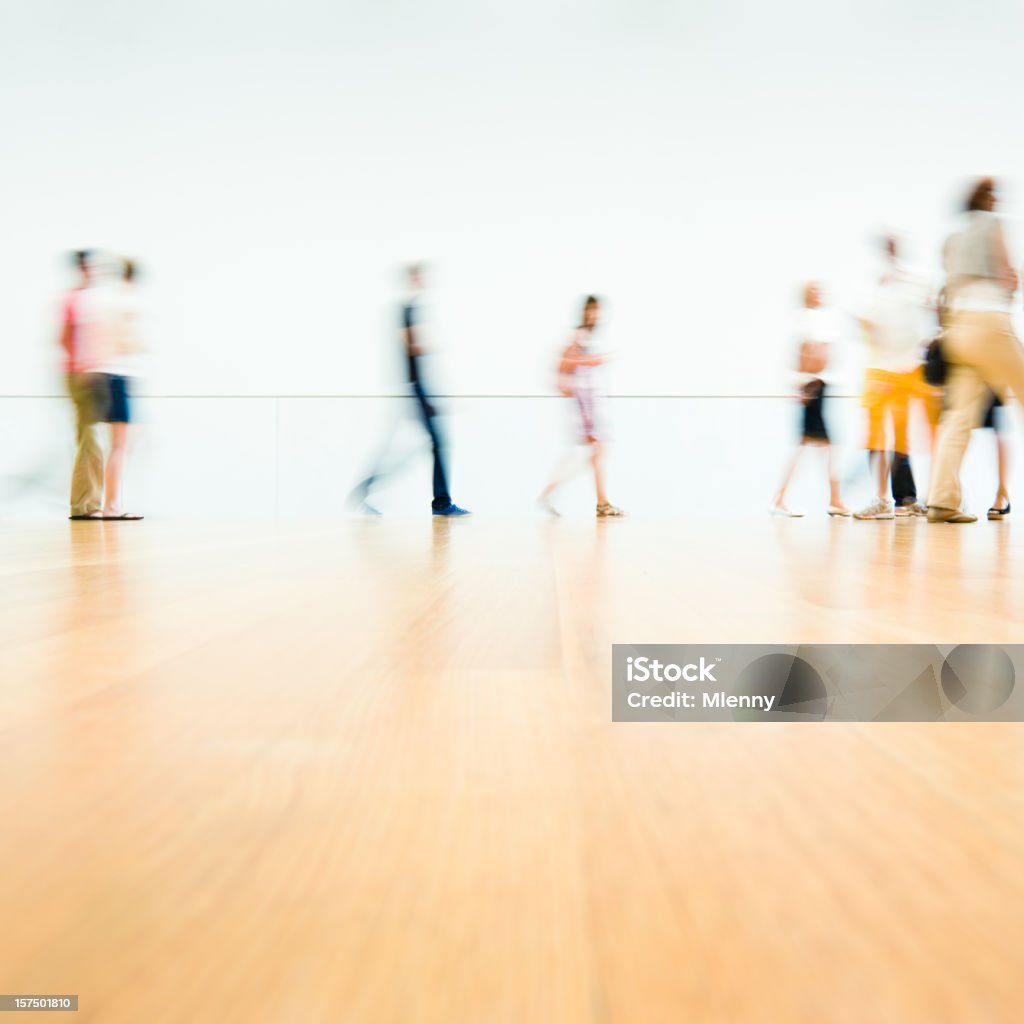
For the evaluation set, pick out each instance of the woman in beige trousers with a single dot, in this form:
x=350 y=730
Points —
x=978 y=343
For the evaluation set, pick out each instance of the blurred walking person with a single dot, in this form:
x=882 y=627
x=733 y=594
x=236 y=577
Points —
x=78 y=340
x=118 y=364
x=580 y=378
x=980 y=349
x=896 y=326
x=816 y=335
x=414 y=349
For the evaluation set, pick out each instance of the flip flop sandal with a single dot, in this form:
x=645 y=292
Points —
x=123 y=516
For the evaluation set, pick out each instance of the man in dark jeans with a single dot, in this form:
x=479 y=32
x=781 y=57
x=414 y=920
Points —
x=904 y=490
x=412 y=340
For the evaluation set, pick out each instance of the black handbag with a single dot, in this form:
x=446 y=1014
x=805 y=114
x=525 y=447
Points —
x=935 y=363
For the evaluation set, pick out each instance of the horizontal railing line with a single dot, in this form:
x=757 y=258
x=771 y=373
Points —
x=142 y=395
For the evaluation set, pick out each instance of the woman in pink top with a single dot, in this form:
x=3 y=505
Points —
x=77 y=331
x=579 y=378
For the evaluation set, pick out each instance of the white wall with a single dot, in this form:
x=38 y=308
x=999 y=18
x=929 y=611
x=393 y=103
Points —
x=269 y=164
x=298 y=457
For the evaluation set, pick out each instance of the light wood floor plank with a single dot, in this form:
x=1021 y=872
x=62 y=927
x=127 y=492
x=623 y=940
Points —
x=366 y=772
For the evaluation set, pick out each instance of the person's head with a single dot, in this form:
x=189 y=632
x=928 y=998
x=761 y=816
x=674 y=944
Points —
x=982 y=196
x=591 y=311
x=891 y=247
x=128 y=270
x=812 y=295
x=414 y=276
x=80 y=260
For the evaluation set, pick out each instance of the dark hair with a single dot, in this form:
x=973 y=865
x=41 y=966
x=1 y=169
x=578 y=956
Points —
x=80 y=259
x=128 y=270
x=981 y=195
x=590 y=300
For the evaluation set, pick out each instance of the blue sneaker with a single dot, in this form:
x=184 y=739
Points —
x=452 y=510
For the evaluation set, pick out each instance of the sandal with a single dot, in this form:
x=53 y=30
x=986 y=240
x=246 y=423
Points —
x=1000 y=513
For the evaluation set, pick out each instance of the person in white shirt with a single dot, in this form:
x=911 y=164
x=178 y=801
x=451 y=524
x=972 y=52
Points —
x=896 y=324
x=117 y=363
x=978 y=343
x=816 y=336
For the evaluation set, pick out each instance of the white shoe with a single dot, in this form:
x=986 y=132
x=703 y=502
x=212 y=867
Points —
x=878 y=509
x=781 y=510
x=544 y=507
x=838 y=510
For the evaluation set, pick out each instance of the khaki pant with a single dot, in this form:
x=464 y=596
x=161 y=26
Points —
x=87 y=474
x=983 y=354
x=932 y=397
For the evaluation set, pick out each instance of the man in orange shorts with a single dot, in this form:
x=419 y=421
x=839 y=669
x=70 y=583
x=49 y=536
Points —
x=896 y=325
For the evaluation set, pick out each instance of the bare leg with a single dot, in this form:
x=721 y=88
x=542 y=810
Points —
x=597 y=461
x=834 y=498
x=570 y=464
x=1002 y=495
x=881 y=473
x=780 y=495
x=115 y=468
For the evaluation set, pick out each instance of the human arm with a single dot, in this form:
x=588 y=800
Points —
x=1007 y=275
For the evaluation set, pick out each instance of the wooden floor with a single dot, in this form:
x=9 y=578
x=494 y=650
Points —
x=366 y=772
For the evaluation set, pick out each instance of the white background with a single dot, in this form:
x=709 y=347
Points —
x=270 y=165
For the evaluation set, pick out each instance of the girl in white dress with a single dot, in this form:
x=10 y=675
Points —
x=579 y=378
x=815 y=335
